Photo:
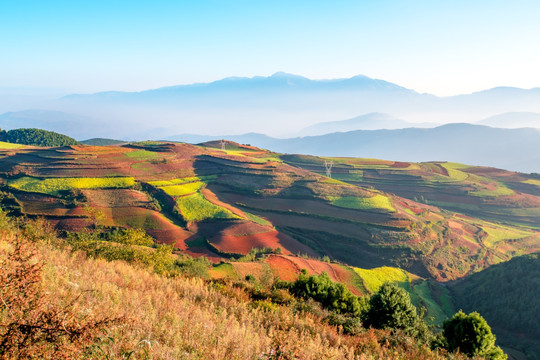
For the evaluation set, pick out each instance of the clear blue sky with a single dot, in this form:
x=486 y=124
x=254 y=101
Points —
x=441 y=47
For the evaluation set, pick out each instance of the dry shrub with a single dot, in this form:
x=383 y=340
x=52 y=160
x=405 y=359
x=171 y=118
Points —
x=30 y=326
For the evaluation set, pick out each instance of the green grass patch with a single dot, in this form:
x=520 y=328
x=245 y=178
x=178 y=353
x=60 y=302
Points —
x=6 y=145
x=53 y=185
x=332 y=181
x=256 y=157
x=196 y=208
x=257 y=219
x=437 y=311
x=501 y=190
x=223 y=271
x=143 y=155
x=501 y=233
x=375 y=278
x=377 y=202
x=454 y=173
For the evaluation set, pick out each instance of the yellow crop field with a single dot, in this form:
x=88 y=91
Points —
x=6 y=145
x=181 y=190
x=377 y=202
x=532 y=182
x=374 y=278
x=53 y=185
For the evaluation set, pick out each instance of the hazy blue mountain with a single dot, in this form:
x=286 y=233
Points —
x=372 y=121
x=102 y=142
x=248 y=139
x=284 y=104
x=512 y=149
x=73 y=125
x=280 y=105
x=513 y=120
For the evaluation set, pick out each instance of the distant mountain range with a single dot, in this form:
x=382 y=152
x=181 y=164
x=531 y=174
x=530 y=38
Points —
x=73 y=125
x=303 y=115
x=512 y=149
x=372 y=121
x=513 y=120
x=284 y=104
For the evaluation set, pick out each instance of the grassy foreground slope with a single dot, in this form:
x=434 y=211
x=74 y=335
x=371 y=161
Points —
x=127 y=311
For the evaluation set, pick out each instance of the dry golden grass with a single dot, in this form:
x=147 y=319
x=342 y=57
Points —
x=188 y=318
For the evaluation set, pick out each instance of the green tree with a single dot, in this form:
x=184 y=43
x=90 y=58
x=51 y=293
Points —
x=471 y=335
x=391 y=307
x=331 y=295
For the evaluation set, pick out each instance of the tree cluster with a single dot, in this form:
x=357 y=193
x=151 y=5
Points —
x=391 y=308
x=36 y=137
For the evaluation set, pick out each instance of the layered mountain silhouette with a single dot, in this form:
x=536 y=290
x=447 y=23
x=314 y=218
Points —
x=513 y=120
x=512 y=149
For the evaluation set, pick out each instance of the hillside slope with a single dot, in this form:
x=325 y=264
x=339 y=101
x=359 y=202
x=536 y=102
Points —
x=81 y=307
x=507 y=296
x=206 y=201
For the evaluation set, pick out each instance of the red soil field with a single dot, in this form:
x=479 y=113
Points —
x=289 y=267
x=242 y=244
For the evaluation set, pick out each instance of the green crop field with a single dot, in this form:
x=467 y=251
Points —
x=500 y=233
x=224 y=270
x=52 y=186
x=454 y=173
x=196 y=208
x=377 y=202
x=375 y=278
x=143 y=155
x=256 y=157
x=501 y=190
x=257 y=219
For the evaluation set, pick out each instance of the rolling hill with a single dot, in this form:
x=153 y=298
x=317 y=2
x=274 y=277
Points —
x=206 y=201
x=414 y=224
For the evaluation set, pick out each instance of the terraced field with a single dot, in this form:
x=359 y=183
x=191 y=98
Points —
x=487 y=193
x=221 y=204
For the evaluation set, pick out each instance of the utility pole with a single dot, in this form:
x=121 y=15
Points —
x=328 y=166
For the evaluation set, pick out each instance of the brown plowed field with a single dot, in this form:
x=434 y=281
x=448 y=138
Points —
x=242 y=244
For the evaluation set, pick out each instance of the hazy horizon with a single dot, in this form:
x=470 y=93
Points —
x=437 y=48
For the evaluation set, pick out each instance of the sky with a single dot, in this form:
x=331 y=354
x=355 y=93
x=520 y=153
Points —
x=439 y=47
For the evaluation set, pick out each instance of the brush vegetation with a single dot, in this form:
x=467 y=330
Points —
x=64 y=302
